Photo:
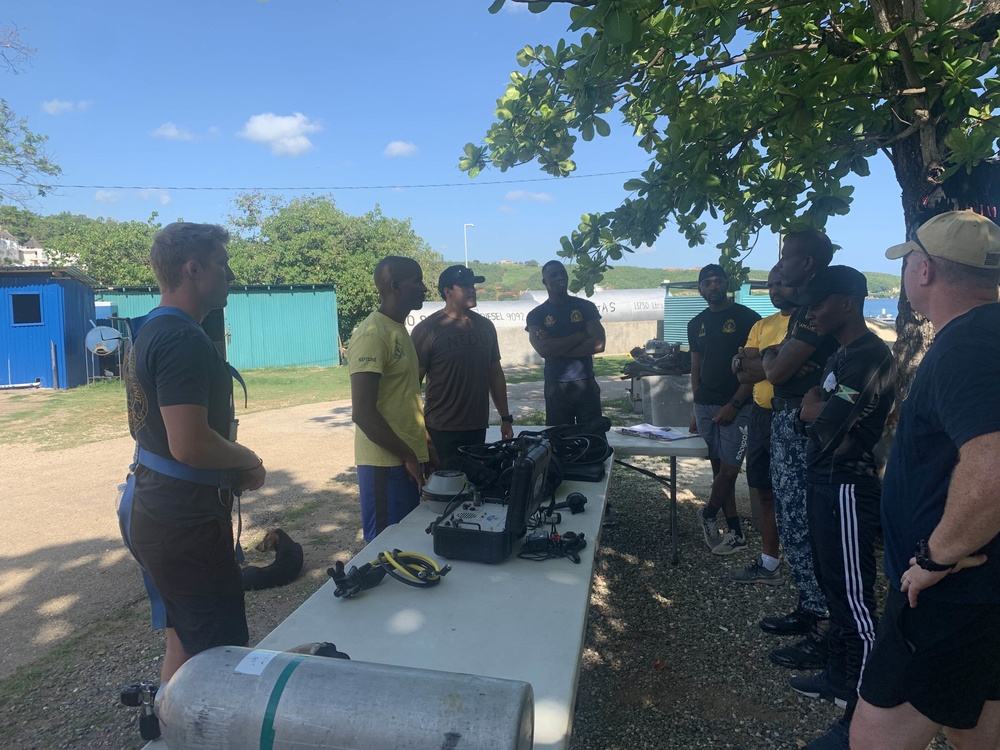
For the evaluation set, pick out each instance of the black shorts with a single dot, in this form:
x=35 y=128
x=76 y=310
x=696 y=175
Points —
x=195 y=570
x=759 y=449
x=447 y=442
x=942 y=657
x=573 y=402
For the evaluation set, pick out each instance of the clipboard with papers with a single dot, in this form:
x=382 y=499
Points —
x=652 y=432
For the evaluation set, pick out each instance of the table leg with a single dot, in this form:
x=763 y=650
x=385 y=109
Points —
x=673 y=509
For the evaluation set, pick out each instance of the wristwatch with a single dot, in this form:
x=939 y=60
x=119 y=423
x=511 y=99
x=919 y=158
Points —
x=737 y=404
x=509 y=419
x=923 y=555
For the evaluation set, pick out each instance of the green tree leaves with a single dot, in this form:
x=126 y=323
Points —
x=308 y=240
x=753 y=114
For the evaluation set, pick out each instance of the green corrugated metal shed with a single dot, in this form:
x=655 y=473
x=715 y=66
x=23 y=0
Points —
x=677 y=311
x=266 y=326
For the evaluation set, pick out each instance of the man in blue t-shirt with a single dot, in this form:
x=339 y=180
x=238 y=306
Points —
x=936 y=660
x=567 y=332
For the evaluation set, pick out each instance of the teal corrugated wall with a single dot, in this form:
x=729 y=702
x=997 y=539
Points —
x=282 y=328
x=677 y=311
x=760 y=303
x=266 y=327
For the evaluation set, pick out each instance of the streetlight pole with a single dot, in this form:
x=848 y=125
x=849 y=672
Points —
x=465 y=239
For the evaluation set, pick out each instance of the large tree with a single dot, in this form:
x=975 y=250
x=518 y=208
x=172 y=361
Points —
x=758 y=114
x=308 y=240
x=25 y=168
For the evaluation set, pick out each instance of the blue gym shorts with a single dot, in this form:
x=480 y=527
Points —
x=388 y=494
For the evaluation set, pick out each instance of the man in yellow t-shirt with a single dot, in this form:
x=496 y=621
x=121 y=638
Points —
x=747 y=366
x=390 y=442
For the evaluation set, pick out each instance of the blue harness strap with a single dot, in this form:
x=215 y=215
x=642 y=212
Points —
x=221 y=478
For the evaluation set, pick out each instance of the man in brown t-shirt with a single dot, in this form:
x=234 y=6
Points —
x=457 y=351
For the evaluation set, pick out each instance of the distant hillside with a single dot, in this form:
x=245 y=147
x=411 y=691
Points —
x=510 y=280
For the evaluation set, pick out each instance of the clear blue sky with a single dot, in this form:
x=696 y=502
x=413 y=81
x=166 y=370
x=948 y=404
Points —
x=338 y=95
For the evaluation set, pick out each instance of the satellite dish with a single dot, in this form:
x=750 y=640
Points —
x=103 y=340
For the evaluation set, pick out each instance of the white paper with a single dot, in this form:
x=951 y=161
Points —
x=652 y=432
x=254 y=662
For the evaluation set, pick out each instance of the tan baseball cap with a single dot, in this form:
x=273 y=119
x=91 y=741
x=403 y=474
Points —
x=961 y=236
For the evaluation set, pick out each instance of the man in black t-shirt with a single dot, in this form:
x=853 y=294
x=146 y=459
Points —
x=844 y=418
x=721 y=402
x=793 y=368
x=567 y=332
x=457 y=351
x=936 y=660
x=179 y=407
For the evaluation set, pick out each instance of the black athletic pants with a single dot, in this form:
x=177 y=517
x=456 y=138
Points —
x=843 y=523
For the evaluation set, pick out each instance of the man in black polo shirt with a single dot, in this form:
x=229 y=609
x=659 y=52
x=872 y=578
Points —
x=793 y=368
x=936 y=661
x=844 y=418
x=721 y=402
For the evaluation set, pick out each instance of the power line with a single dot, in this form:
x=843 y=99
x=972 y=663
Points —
x=469 y=183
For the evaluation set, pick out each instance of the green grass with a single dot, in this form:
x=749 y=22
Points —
x=530 y=373
x=55 y=420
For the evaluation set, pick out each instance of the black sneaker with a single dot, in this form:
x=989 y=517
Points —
x=809 y=653
x=819 y=686
x=837 y=737
x=796 y=622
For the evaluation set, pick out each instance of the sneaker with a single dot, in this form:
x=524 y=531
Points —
x=730 y=543
x=809 y=653
x=837 y=737
x=796 y=622
x=710 y=528
x=755 y=573
x=819 y=686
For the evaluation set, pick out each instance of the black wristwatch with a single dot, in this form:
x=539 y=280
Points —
x=923 y=555
x=737 y=404
x=509 y=419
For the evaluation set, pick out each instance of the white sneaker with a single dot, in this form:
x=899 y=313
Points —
x=730 y=543
x=710 y=528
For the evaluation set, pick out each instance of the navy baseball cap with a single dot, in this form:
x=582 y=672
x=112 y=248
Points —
x=712 y=269
x=458 y=276
x=832 y=280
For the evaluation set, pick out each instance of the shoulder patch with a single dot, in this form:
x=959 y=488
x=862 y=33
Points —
x=701 y=331
x=848 y=394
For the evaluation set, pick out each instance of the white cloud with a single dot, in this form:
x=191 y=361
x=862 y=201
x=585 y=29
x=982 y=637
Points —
x=213 y=131
x=161 y=196
x=505 y=209
x=108 y=196
x=285 y=134
x=60 y=107
x=524 y=195
x=400 y=148
x=171 y=132
x=511 y=7
x=644 y=249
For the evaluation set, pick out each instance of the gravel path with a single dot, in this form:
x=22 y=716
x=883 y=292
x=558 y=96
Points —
x=673 y=659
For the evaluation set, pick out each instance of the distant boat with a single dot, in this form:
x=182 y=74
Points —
x=885 y=317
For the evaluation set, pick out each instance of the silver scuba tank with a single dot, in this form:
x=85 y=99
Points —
x=231 y=698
